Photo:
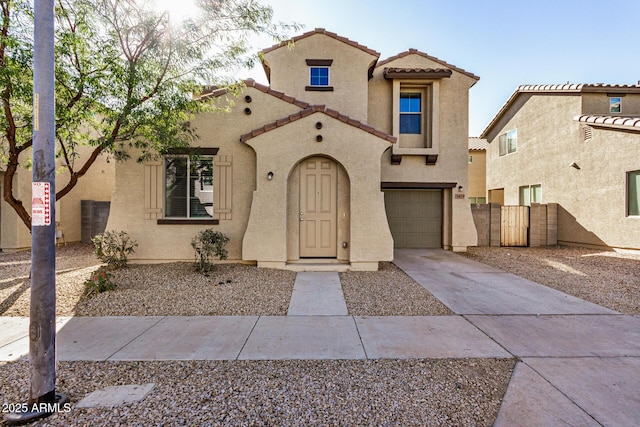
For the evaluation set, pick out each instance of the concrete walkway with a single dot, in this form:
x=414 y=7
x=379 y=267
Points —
x=578 y=363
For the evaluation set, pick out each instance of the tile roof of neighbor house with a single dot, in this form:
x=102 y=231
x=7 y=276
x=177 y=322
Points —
x=610 y=122
x=559 y=89
x=425 y=55
x=317 y=109
x=477 y=144
x=326 y=33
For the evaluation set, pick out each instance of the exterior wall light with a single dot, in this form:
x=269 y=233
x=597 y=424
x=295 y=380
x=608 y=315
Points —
x=270 y=176
x=460 y=188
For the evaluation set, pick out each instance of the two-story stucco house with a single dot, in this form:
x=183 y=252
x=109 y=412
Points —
x=577 y=146
x=340 y=159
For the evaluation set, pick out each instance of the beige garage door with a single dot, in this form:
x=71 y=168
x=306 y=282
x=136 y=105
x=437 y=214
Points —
x=415 y=217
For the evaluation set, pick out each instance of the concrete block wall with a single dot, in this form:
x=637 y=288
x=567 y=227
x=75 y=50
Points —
x=537 y=225
x=552 y=224
x=543 y=224
x=482 y=219
x=495 y=224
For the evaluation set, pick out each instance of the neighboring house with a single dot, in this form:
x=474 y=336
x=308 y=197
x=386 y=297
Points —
x=477 y=170
x=342 y=158
x=577 y=146
x=96 y=185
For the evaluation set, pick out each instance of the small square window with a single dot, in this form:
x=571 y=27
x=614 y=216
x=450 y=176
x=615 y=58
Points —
x=319 y=76
x=615 y=104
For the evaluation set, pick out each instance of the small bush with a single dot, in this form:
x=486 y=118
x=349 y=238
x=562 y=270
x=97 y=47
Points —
x=208 y=244
x=112 y=248
x=100 y=281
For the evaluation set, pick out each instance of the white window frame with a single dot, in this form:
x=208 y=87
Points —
x=629 y=180
x=508 y=142
x=526 y=191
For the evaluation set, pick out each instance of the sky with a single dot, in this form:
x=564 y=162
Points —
x=506 y=43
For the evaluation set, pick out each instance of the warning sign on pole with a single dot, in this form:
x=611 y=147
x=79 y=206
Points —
x=40 y=203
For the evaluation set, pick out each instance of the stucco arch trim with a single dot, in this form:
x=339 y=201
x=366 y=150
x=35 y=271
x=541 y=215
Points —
x=358 y=152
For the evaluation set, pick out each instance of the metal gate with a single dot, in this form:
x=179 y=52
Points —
x=514 y=226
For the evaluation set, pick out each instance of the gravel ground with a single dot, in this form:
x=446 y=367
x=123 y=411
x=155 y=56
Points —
x=447 y=392
x=281 y=393
x=606 y=278
x=388 y=292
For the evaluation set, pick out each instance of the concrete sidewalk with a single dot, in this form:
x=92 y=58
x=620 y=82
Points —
x=578 y=362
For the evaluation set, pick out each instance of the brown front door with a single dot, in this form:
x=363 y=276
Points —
x=318 y=210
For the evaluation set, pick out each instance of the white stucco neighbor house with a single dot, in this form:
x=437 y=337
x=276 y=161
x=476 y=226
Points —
x=340 y=159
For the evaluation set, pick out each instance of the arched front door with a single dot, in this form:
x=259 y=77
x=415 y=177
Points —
x=318 y=208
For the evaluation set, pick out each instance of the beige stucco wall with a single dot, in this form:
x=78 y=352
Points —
x=170 y=242
x=356 y=151
x=478 y=174
x=450 y=126
x=348 y=74
x=591 y=200
x=97 y=184
x=598 y=103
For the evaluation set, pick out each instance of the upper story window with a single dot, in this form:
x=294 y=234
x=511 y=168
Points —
x=319 y=75
x=411 y=113
x=508 y=142
x=615 y=104
x=188 y=187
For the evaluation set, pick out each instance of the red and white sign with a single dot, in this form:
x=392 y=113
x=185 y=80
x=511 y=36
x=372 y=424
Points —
x=40 y=203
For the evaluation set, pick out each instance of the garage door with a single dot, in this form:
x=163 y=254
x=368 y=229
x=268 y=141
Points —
x=415 y=217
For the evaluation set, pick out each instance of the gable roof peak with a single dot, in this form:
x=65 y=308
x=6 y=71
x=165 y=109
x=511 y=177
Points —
x=326 y=33
x=413 y=51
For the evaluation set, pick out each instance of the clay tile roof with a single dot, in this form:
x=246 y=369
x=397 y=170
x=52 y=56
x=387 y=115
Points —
x=477 y=144
x=318 y=109
x=424 y=73
x=215 y=92
x=326 y=33
x=566 y=88
x=610 y=122
x=424 y=55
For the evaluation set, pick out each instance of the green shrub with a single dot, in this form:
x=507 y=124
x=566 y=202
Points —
x=112 y=248
x=208 y=244
x=100 y=281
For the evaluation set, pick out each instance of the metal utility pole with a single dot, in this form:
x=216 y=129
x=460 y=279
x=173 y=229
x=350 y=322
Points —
x=43 y=400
